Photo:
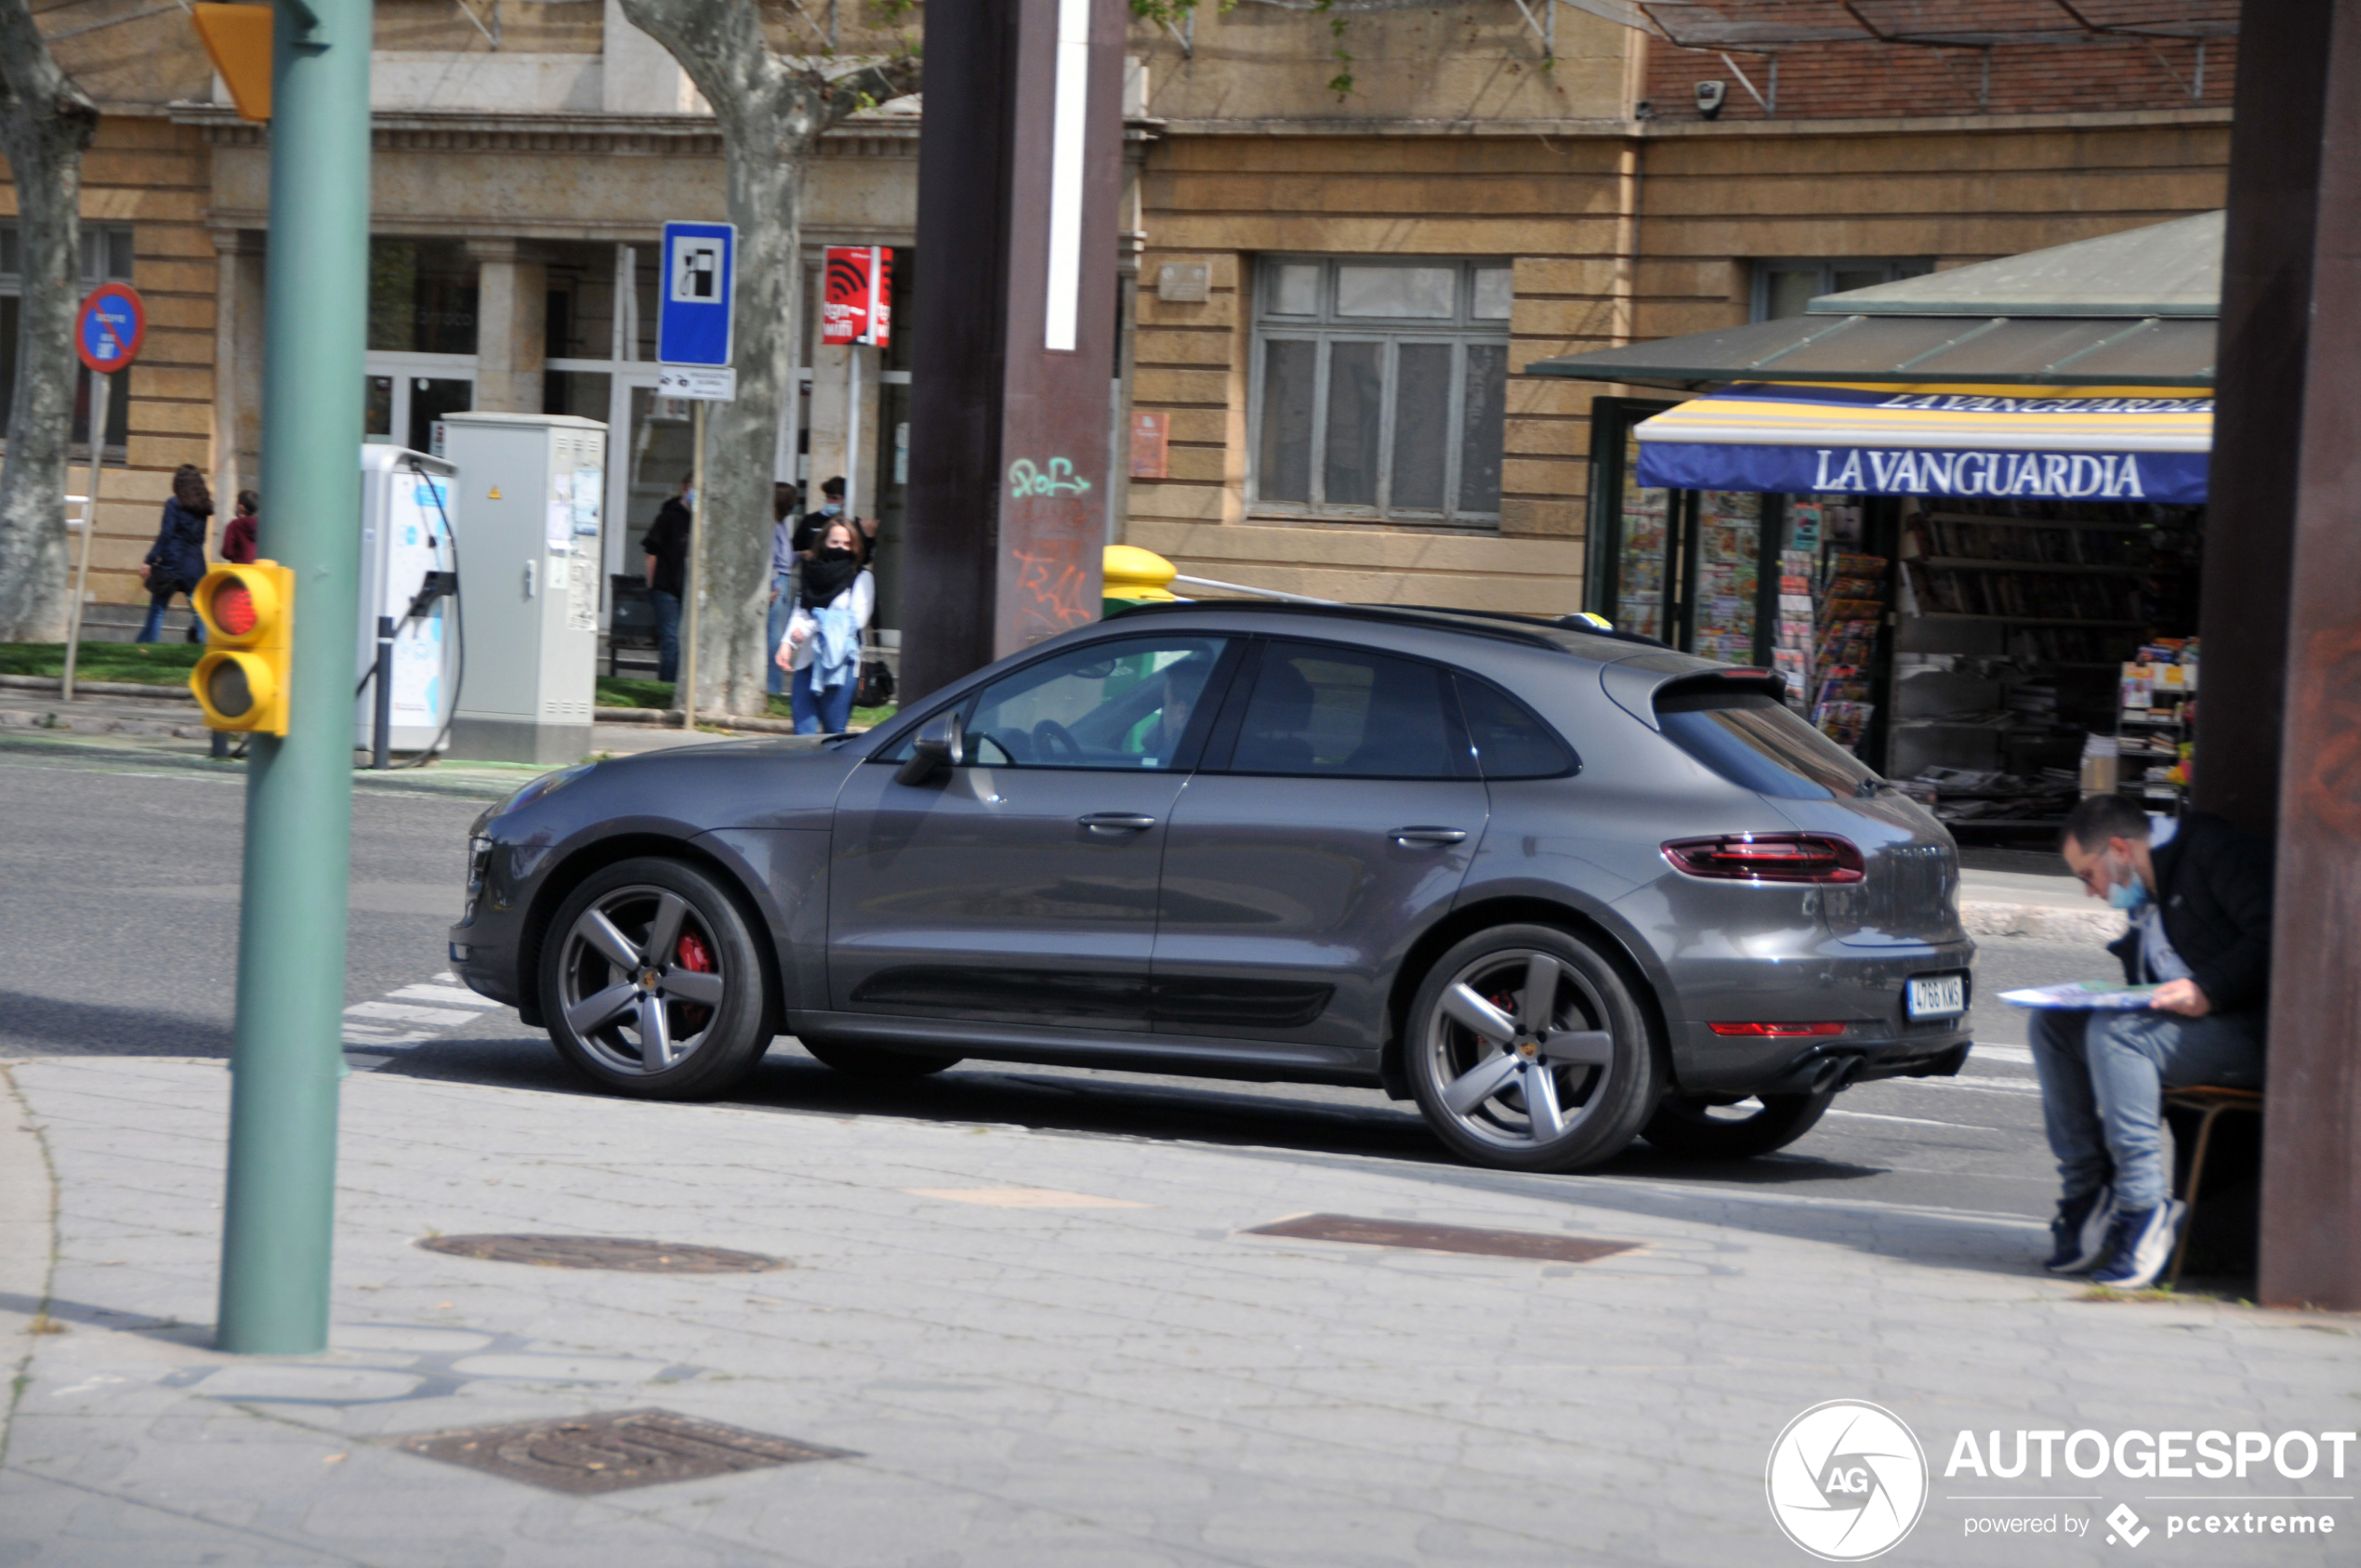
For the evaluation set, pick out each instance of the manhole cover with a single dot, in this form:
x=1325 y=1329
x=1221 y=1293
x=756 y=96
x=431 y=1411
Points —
x=609 y=1452
x=1443 y=1238
x=604 y=1252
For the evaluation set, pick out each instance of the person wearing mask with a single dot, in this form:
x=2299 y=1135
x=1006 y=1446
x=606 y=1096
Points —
x=239 y=545
x=823 y=644
x=784 y=574
x=2199 y=893
x=175 y=564
x=807 y=535
x=667 y=548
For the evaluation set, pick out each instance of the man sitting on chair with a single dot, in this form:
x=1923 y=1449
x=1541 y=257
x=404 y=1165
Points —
x=2199 y=893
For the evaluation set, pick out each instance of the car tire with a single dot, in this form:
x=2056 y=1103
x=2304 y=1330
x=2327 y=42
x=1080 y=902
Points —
x=1684 y=1125
x=875 y=1061
x=1478 y=1041
x=655 y=946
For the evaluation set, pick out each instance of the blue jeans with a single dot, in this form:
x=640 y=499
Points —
x=153 y=628
x=824 y=712
x=2103 y=1080
x=782 y=611
x=667 y=606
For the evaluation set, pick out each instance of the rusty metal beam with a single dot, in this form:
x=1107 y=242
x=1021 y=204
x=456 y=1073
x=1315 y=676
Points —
x=1010 y=408
x=2310 y=1242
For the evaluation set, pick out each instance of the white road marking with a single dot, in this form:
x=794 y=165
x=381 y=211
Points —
x=400 y=1012
x=460 y=996
x=2021 y=1055
x=399 y=1023
x=1914 y=1121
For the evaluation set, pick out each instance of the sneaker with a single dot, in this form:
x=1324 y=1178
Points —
x=2143 y=1246
x=2081 y=1232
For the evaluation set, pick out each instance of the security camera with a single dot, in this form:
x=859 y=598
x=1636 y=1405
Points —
x=1709 y=99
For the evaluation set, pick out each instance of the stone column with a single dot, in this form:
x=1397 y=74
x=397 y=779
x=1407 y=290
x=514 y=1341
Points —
x=512 y=303
x=237 y=363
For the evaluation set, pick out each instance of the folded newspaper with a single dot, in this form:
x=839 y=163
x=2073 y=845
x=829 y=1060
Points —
x=2082 y=994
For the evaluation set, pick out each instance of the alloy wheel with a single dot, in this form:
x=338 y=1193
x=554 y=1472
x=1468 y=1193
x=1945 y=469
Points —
x=640 y=979
x=1517 y=1048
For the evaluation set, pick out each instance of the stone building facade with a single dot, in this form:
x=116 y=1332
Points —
x=1338 y=283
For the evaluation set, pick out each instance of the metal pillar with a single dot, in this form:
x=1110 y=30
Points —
x=288 y=1056
x=100 y=385
x=1020 y=174
x=2311 y=1252
x=2267 y=305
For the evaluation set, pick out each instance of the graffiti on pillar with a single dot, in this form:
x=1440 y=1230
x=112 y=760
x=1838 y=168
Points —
x=1052 y=591
x=1057 y=479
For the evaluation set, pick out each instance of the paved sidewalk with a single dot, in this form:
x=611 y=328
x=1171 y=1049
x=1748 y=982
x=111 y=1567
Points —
x=1044 y=1349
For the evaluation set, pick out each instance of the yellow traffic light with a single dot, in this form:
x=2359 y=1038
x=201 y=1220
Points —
x=238 y=37
x=248 y=614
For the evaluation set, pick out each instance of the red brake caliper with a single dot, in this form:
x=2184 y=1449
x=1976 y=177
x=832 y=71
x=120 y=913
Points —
x=695 y=957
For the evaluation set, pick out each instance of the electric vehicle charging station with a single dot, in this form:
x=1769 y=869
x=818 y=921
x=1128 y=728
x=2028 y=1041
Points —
x=408 y=511
x=531 y=487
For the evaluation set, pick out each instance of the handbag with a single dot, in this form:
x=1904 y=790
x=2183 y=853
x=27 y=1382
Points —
x=876 y=689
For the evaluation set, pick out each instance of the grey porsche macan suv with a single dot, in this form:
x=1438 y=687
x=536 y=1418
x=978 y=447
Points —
x=1562 y=889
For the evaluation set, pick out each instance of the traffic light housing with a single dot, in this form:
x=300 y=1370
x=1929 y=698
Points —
x=248 y=613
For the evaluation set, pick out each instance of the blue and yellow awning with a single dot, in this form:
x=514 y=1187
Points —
x=2102 y=443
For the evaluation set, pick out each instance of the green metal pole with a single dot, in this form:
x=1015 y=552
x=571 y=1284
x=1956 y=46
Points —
x=289 y=1055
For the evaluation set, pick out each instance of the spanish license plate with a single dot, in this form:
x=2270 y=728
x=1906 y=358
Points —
x=1938 y=996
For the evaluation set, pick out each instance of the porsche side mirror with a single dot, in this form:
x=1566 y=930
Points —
x=940 y=746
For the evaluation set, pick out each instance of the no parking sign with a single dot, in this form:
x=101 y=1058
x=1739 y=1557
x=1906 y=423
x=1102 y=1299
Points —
x=112 y=324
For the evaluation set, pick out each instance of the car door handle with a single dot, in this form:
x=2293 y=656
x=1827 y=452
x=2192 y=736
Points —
x=1408 y=837
x=1117 y=822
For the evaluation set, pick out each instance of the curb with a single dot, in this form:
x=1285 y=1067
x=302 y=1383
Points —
x=669 y=718
x=472 y=788
x=2049 y=922
x=98 y=688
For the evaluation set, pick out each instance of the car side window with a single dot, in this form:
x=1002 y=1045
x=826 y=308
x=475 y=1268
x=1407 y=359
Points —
x=1327 y=712
x=1510 y=741
x=1127 y=705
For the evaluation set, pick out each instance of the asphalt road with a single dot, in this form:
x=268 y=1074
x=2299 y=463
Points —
x=118 y=895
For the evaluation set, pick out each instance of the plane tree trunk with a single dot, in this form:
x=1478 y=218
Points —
x=773 y=110
x=45 y=122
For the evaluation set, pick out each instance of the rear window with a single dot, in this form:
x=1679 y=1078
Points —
x=1757 y=742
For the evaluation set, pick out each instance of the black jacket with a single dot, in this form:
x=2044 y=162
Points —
x=2213 y=882
x=668 y=540
x=177 y=558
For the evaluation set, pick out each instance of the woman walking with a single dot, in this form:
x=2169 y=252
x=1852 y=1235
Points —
x=176 y=561
x=822 y=645
x=238 y=540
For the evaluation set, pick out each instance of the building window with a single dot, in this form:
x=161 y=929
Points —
x=422 y=297
x=1783 y=288
x=106 y=258
x=1379 y=389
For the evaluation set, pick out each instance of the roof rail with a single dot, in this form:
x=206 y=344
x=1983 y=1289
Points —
x=1530 y=632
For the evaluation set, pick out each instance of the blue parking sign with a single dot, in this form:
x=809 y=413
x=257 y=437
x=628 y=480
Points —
x=694 y=293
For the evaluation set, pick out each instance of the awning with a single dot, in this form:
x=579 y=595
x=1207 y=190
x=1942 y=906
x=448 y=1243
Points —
x=2107 y=445
x=2053 y=351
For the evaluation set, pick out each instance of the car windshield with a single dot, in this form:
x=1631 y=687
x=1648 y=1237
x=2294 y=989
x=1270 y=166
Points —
x=1758 y=743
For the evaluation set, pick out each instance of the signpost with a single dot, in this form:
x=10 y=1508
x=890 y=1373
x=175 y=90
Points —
x=700 y=274
x=107 y=334
x=856 y=310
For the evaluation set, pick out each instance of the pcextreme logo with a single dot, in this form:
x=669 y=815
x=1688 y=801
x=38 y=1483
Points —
x=1846 y=1481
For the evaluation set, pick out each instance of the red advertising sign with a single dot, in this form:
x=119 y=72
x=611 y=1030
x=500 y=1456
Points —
x=856 y=295
x=111 y=327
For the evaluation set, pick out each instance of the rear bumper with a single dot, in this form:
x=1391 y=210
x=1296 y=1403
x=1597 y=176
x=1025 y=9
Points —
x=1827 y=983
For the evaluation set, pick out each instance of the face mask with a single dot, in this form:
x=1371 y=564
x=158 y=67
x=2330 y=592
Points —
x=834 y=509
x=689 y=499
x=2127 y=895
x=836 y=552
